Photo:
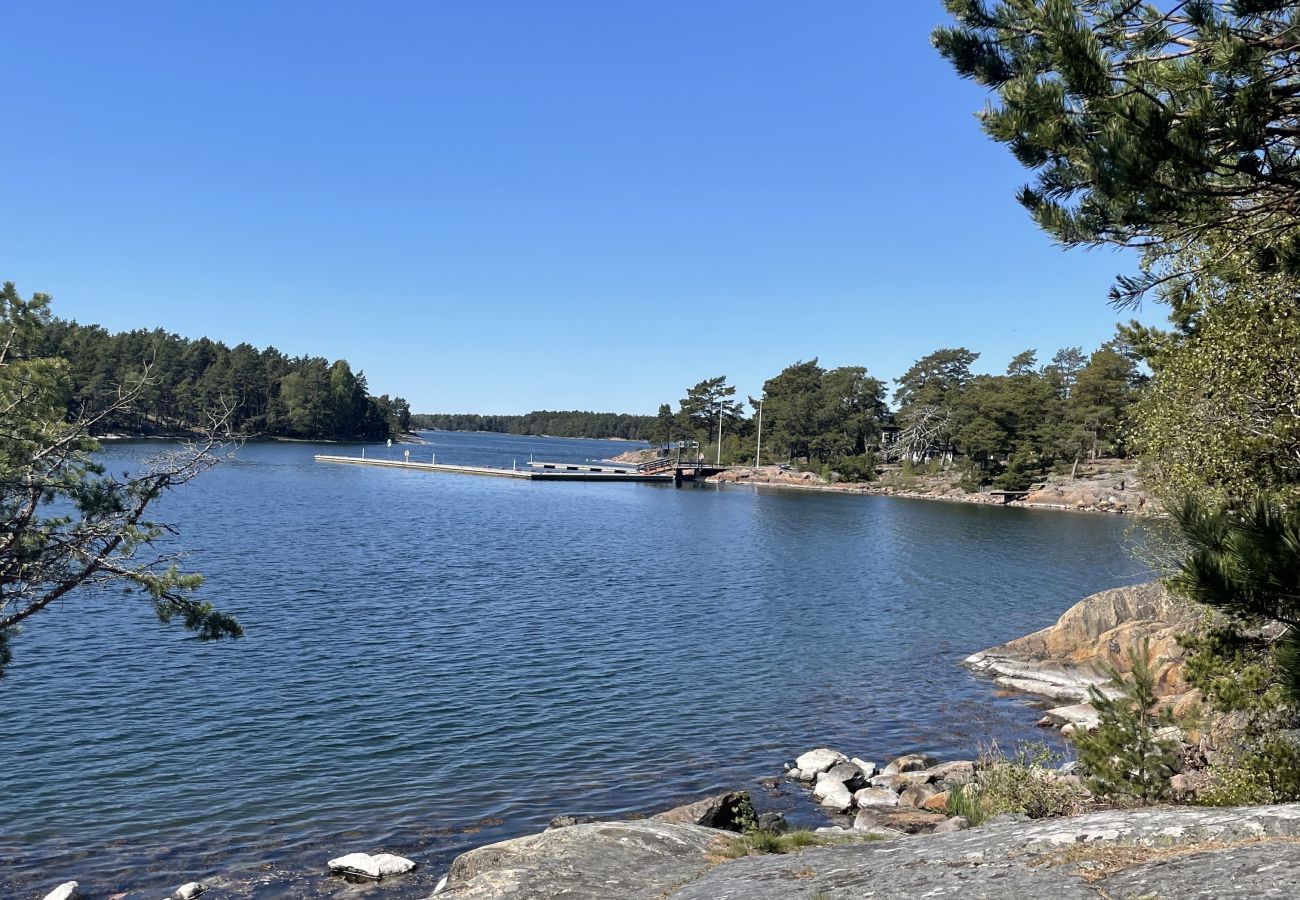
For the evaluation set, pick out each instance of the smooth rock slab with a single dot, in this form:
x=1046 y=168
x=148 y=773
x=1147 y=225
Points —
x=1026 y=860
x=380 y=865
x=631 y=860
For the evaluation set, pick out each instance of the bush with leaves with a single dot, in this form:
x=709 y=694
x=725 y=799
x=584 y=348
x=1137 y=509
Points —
x=856 y=468
x=1024 y=784
x=1130 y=755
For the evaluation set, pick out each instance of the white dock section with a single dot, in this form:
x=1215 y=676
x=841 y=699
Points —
x=560 y=472
x=611 y=468
x=425 y=466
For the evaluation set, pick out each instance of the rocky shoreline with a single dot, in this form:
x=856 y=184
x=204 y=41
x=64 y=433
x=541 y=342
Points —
x=1109 y=486
x=1103 y=497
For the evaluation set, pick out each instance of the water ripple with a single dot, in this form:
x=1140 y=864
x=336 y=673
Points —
x=432 y=662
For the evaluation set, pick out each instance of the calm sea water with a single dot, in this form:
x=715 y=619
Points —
x=436 y=661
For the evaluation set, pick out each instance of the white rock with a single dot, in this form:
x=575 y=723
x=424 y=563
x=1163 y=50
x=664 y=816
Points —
x=69 y=890
x=875 y=796
x=818 y=760
x=377 y=866
x=391 y=864
x=796 y=774
x=868 y=768
x=440 y=886
x=188 y=891
x=832 y=794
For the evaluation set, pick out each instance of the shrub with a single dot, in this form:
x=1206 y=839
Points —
x=1023 y=785
x=856 y=468
x=1268 y=772
x=1128 y=756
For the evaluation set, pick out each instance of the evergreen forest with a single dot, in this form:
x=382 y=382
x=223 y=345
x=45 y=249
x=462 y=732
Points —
x=1006 y=429
x=566 y=423
x=261 y=392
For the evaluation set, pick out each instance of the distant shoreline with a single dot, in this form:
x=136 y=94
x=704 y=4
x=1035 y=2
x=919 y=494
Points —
x=560 y=437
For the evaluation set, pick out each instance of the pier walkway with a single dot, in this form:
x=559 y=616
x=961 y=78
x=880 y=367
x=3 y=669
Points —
x=535 y=472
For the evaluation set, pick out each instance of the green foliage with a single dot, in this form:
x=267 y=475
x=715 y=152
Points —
x=855 y=468
x=1245 y=563
x=1145 y=127
x=69 y=524
x=964 y=800
x=1024 y=784
x=763 y=842
x=1236 y=673
x=658 y=429
x=1129 y=756
x=814 y=414
x=1219 y=423
x=257 y=391
x=705 y=406
x=933 y=378
x=1265 y=773
x=1014 y=427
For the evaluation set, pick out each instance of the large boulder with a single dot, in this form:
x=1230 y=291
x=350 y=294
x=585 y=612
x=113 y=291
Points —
x=818 y=760
x=634 y=860
x=833 y=795
x=365 y=865
x=916 y=795
x=948 y=774
x=1063 y=660
x=875 y=797
x=898 y=783
x=912 y=762
x=732 y=811
x=188 y=891
x=849 y=774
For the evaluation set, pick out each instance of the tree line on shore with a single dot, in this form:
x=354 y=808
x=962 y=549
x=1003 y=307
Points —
x=556 y=423
x=1006 y=429
x=179 y=383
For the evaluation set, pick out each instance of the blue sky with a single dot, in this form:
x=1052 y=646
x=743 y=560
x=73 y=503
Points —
x=503 y=206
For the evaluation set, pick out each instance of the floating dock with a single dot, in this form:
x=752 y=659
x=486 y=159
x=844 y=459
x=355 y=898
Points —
x=535 y=472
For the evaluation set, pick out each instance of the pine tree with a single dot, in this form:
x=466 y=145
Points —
x=1149 y=125
x=67 y=522
x=1245 y=562
x=1128 y=756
